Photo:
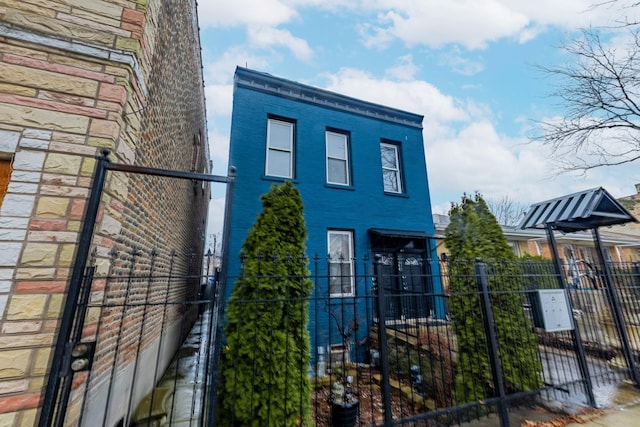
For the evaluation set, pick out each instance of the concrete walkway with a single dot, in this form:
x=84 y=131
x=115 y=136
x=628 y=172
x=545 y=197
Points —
x=623 y=417
x=178 y=398
x=189 y=373
x=624 y=411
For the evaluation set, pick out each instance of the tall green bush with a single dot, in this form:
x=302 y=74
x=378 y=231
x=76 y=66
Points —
x=474 y=233
x=264 y=365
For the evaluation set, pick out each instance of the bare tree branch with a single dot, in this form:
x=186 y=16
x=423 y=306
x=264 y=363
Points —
x=600 y=93
x=621 y=6
x=507 y=210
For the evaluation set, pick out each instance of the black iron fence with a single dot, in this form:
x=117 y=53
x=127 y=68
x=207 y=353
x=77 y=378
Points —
x=142 y=332
x=370 y=345
x=415 y=347
x=125 y=318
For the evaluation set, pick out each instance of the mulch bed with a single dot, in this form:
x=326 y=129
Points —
x=371 y=409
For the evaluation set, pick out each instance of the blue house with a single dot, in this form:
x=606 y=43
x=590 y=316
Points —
x=361 y=171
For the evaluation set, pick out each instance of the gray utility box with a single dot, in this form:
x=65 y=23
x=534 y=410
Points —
x=550 y=309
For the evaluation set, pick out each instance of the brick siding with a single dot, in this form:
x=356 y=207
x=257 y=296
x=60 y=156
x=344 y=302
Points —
x=76 y=77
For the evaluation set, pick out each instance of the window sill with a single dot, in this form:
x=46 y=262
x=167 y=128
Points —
x=336 y=296
x=405 y=195
x=278 y=179
x=339 y=187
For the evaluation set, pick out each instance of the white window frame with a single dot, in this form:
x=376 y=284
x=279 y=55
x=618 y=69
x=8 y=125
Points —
x=342 y=260
x=538 y=247
x=395 y=171
x=344 y=158
x=271 y=148
x=515 y=247
x=619 y=253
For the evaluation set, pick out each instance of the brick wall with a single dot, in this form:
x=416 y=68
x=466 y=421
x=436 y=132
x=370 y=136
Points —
x=75 y=77
x=632 y=204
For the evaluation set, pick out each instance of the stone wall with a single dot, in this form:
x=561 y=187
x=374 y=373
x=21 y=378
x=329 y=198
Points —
x=75 y=77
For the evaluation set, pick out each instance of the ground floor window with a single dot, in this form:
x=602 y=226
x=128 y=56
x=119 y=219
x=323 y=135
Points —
x=341 y=280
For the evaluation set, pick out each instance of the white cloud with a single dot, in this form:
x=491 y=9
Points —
x=571 y=14
x=475 y=23
x=478 y=158
x=530 y=33
x=220 y=69
x=470 y=160
x=325 y=4
x=415 y=96
x=216 y=217
x=219 y=150
x=458 y=63
x=405 y=69
x=435 y=23
x=225 y=13
x=264 y=37
x=219 y=99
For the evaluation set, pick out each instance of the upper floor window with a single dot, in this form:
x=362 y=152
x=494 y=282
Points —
x=391 y=176
x=195 y=153
x=337 y=158
x=341 y=280
x=279 y=148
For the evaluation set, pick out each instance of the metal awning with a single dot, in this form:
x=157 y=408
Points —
x=385 y=232
x=584 y=210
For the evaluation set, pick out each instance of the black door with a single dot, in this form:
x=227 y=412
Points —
x=405 y=284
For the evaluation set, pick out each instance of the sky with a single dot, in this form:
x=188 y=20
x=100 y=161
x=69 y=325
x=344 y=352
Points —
x=472 y=68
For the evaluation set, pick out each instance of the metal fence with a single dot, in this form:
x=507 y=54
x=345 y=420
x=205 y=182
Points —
x=478 y=339
x=141 y=354
x=409 y=347
x=126 y=314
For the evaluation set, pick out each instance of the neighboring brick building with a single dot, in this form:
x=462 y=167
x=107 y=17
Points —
x=618 y=246
x=631 y=203
x=76 y=77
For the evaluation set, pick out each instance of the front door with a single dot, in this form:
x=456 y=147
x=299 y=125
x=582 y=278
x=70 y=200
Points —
x=404 y=279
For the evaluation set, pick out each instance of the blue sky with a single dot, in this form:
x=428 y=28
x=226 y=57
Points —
x=468 y=66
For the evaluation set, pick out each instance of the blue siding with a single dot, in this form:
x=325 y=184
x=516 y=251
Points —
x=359 y=207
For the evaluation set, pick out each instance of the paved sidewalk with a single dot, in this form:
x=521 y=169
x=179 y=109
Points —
x=624 y=411
x=619 y=417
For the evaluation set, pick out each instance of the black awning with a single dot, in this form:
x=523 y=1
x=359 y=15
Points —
x=405 y=234
x=584 y=210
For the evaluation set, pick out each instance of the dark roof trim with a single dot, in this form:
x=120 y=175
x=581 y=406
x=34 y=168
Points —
x=385 y=232
x=289 y=89
x=580 y=211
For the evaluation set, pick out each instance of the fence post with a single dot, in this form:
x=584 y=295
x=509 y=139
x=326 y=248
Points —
x=382 y=341
x=482 y=280
x=218 y=308
x=59 y=383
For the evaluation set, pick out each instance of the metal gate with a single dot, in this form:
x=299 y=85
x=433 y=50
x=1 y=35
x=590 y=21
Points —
x=133 y=344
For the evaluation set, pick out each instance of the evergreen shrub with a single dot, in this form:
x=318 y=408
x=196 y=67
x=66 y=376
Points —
x=473 y=234
x=264 y=365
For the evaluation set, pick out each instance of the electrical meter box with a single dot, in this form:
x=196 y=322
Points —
x=551 y=310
